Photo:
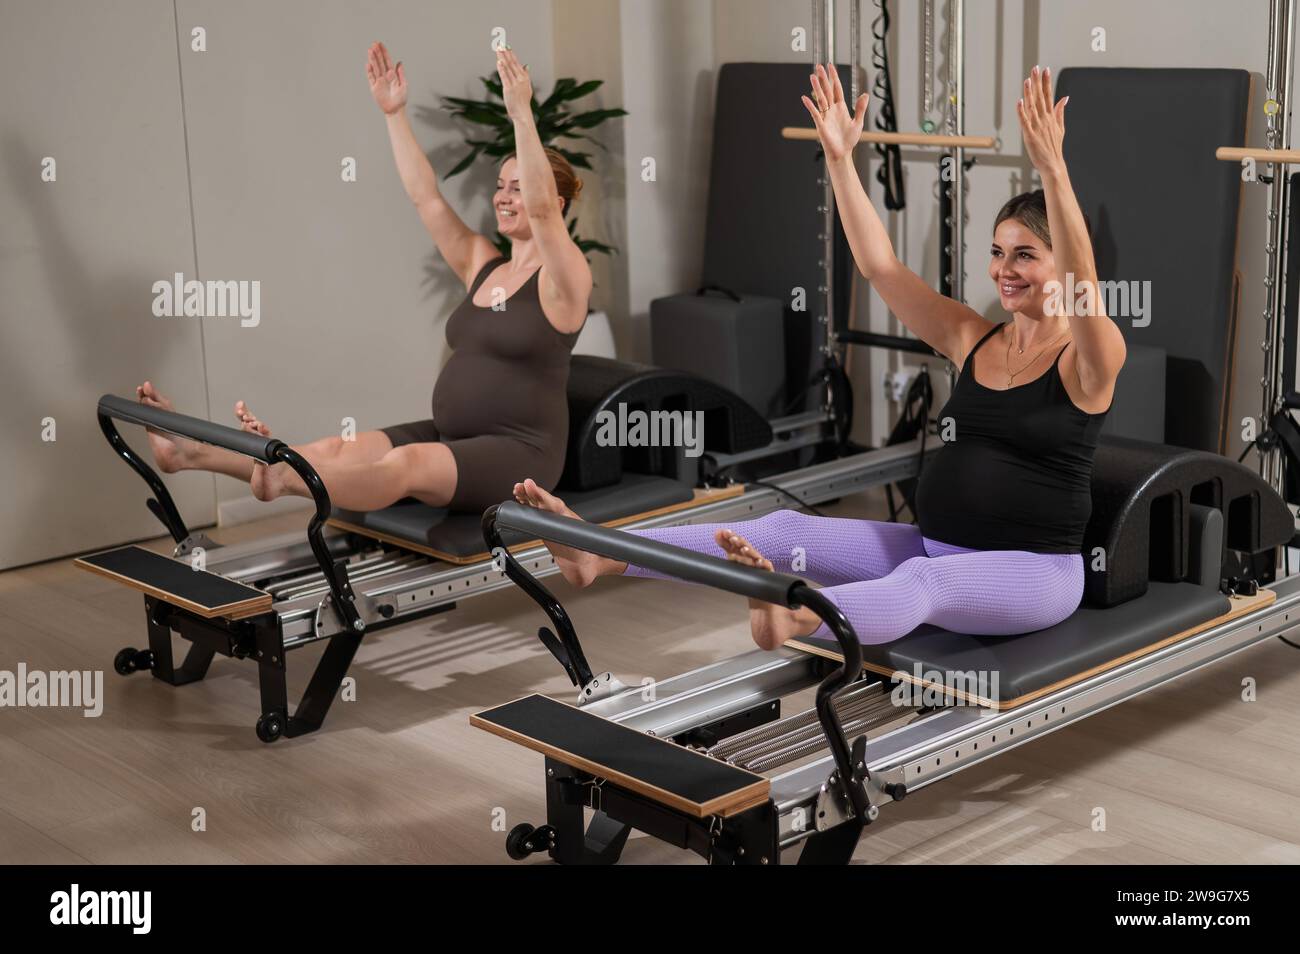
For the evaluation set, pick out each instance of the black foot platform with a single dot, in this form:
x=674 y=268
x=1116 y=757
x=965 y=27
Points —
x=659 y=770
x=198 y=591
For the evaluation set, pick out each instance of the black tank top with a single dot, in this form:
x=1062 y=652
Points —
x=508 y=371
x=1016 y=473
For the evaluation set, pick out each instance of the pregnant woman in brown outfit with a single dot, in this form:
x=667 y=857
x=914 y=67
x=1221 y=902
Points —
x=499 y=408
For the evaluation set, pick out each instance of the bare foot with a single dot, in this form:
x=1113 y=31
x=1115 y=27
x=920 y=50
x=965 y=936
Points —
x=770 y=625
x=578 y=567
x=170 y=452
x=267 y=483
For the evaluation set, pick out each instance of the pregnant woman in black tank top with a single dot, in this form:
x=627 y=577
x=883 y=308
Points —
x=1003 y=505
x=499 y=407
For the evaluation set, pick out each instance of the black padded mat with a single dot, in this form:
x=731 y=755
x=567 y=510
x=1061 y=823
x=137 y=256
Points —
x=461 y=534
x=1173 y=224
x=603 y=745
x=1033 y=661
x=760 y=239
x=171 y=578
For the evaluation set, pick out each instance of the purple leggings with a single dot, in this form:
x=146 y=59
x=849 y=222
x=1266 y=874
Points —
x=888 y=579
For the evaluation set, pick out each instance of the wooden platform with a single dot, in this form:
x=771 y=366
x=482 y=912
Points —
x=207 y=594
x=660 y=770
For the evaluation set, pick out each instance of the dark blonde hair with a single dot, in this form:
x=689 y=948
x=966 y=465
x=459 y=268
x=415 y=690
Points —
x=1030 y=210
x=567 y=183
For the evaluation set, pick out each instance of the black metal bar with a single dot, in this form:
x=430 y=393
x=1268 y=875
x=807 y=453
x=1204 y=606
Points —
x=851 y=647
x=195 y=428
x=947 y=162
x=835 y=846
x=570 y=654
x=162 y=506
x=324 y=685
x=335 y=571
x=565 y=815
x=675 y=561
x=894 y=342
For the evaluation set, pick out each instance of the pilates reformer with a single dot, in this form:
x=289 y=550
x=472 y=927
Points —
x=706 y=762
x=358 y=573
x=684 y=761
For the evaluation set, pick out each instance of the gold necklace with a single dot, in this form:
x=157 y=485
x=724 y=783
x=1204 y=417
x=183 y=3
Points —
x=1011 y=375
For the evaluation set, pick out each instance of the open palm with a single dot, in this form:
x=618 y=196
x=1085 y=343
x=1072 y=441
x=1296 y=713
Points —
x=837 y=128
x=387 y=82
x=1042 y=125
x=516 y=84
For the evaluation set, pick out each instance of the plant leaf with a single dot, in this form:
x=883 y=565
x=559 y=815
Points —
x=484 y=117
x=562 y=86
x=464 y=163
x=484 y=103
x=584 y=89
x=595 y=118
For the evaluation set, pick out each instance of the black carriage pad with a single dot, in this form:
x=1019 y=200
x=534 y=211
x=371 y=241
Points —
x=668 y=773
x=602 y=390
x=1173 y=224
x=458 y=537
x=1028 y=666
x=207 y=594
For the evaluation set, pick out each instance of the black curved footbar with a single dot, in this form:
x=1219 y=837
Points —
x=779 y=588
x=160 y=504
x=265 y=449
x=564 y=647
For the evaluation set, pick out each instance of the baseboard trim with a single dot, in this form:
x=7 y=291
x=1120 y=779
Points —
x=246 y=509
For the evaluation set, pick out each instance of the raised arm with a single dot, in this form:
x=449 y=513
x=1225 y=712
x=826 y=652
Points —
x=947 y=326
x=465 y=250
x=565 y=283
x=1099 y=341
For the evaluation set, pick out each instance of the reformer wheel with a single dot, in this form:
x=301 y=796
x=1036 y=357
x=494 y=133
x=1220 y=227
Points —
x=270 y=726
x=131 y=660
x=518 y=843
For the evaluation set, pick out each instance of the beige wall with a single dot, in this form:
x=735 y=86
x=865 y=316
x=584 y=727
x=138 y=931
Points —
x=95 y=87
x=583 y=33
x=669 y=77
x=352 y=325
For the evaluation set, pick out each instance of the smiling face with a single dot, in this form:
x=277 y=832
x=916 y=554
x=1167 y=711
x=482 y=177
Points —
x=1020 y=264
x=508 y=202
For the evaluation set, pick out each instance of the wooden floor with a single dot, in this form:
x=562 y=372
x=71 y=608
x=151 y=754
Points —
x=1188 y=773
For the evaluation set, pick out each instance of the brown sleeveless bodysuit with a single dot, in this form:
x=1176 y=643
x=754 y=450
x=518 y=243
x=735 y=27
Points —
x=500 y=403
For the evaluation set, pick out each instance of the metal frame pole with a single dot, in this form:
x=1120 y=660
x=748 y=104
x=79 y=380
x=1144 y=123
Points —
x=1278 y=110
x=826 y=319
x=957 y=122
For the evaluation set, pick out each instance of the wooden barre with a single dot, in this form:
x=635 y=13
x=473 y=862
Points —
x=901 y=139
x=1237 y=153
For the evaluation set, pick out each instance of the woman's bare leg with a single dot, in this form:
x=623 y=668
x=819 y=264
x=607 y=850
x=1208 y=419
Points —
x=578 y=567
x=425 y=471
x=771 y=625
x=267 y=482
x=175 y=454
